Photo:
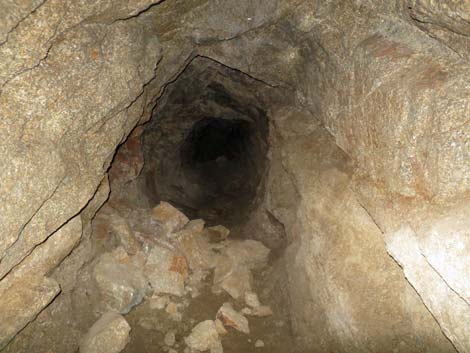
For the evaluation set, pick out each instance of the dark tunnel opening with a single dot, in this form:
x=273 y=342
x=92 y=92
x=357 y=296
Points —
x=213 y=139
x=205 y=149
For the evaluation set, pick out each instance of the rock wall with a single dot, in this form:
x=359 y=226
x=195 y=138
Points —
x=388 y=82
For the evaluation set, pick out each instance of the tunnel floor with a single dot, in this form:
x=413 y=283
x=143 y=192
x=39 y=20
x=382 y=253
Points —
x=204 y=155
x=209 y=268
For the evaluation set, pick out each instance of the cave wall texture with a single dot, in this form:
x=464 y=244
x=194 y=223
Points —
x=369 y=166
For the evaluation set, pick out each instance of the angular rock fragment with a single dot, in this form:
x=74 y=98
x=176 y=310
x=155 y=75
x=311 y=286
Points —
x=232 y=318
x=204 y=337
x=22 y=302
x=110 y=334
x=235 y=279
x=166 y=270
x=121 y=282
x=195 y=247
x=170 y=217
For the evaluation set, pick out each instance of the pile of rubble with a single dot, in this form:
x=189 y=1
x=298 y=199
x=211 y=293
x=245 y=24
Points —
x=162 y=257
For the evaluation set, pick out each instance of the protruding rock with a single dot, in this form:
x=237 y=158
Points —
x=232 y=318
x=166 y=270
x=110 y=334
x=121 y=282
x=203 y=337
x=170 y=217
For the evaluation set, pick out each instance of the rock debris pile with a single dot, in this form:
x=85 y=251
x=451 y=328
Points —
x=161 y=257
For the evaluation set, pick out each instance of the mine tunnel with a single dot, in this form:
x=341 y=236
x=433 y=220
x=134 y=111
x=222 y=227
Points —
x=205 y=148
x=234 y=176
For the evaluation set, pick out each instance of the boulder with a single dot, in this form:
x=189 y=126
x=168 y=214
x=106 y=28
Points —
x=203 y=337
x=121 y=282
x=110 y=334
x=166 y=270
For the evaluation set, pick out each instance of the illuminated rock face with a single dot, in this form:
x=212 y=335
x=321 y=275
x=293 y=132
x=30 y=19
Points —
x=349 y=121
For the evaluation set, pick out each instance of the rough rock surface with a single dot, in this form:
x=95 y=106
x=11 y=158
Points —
x=203 y=337
x=122 y=283
x=172 y=219
x=110 y=334
x=22 y=302
x=388 y=81
x=166 y=271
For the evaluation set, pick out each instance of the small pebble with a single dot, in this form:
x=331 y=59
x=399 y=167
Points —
x=259 y=344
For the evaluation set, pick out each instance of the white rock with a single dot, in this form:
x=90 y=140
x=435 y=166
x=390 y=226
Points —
x=259 y=344
x=232 y=318
x=166 y=270
x=203 y=337
x=217 y=348
x=121 y=282
x=252 y=300
x=110 y=334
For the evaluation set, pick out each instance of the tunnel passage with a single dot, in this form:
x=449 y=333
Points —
x=205 y=147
